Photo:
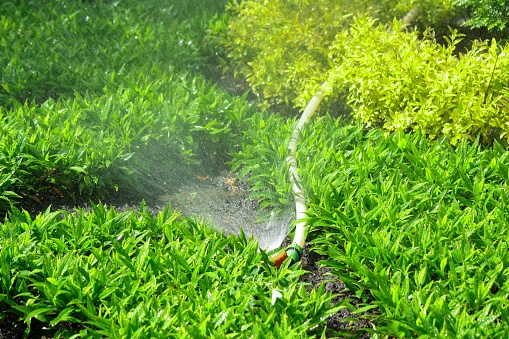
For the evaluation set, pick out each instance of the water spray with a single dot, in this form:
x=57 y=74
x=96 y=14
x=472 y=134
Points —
x=294 y=251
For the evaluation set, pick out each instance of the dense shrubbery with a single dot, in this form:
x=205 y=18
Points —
x=276 y=46
x=416 y=228
x=84 y=86
x=53 y=49
x=279 y=45
x=82 y=143
x=399 y=81
x=394 y=78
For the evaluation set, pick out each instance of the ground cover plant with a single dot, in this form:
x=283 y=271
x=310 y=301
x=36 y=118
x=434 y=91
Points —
x=86 y=143
x=416 y=229
x=133 y=274
x=57 y=48
x=99 y=84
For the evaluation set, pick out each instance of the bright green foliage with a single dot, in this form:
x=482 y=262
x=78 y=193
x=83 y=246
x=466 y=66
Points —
x=133 y=275
x=415 y=228
x=399 y=81
x=278 y=45
x=262 y=159
x=492 y=14
x=282 y=46
x=430 y=12
x=91 y=91
x=7 y=196
x=394 y=78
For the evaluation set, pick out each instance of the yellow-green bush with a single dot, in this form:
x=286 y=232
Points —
x=394 y=77
x=399 y=81
x=279 y=46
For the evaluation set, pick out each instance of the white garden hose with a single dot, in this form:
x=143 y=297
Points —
x=294 y=251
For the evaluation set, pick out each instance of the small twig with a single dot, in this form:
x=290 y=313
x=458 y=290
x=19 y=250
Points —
x=491 y=78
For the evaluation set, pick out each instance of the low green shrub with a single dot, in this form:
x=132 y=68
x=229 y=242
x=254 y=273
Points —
x=130 y=274
x=262 y=159
x=90 y=91
x=278 y=45
x=52 y=49
x=416 y=229
x=7 y=196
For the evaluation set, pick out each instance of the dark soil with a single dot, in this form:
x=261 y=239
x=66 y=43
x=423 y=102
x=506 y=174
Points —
x=337 y=324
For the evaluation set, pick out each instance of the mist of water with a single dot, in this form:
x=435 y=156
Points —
x=210 y=194
x=271 y=234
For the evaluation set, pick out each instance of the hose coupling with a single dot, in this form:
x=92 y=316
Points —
x=294 y=252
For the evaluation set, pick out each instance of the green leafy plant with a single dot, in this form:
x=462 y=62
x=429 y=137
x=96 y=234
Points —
x=52 y=49
x=7 y=196
x=128 y=274
x=261 y=159
x=96 y=98
x=492 y=14
x=86 y=144
x=282 y=47
x=393 y=78
x=398 y=81
x=414 y=228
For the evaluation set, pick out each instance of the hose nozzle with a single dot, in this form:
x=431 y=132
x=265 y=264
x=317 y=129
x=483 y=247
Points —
x=294 y=252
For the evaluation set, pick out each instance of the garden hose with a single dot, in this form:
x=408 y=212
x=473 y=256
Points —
x=294 y=251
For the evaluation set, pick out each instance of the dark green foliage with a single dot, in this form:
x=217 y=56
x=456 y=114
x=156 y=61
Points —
x=87 y=85
x=492 y=14
x=52 y=49
x=134 y=275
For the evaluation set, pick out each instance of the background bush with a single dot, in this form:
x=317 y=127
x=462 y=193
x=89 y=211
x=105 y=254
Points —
x=281 y=45
x=53 y=49
x=398 y=80
x=394 y=78
x=492 y=14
